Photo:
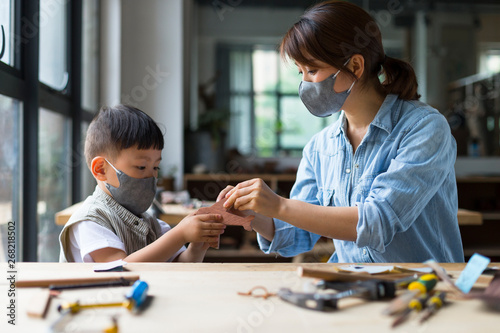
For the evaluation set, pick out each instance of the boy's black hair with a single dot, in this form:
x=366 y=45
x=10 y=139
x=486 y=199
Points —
x=120 y=127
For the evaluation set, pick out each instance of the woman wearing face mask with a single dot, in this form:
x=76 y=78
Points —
x=380 y=181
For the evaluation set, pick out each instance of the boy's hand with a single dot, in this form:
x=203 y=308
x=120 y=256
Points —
x=202 y=228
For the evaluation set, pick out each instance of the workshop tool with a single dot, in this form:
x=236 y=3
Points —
x=434 y=303
x=370 y=289
x=122 y=282
x=424 y=284
x=444 y=277
x=392 y=284
x=331 y=275
x=135 y=298
x=416 y=304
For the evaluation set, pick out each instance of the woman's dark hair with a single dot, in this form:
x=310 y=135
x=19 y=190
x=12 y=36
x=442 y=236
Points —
x=333 y=31
x=120 y=127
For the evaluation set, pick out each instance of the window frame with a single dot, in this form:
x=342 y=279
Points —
x=21 y=82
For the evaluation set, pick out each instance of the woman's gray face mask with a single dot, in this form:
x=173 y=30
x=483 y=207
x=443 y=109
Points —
x=320 y=98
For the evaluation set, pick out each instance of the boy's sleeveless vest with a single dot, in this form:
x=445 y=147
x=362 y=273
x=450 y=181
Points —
x=135 y=232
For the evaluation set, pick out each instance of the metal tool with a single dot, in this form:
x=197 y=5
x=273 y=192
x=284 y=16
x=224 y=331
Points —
x=416 y=304
x=369 y=289
x=423 y=285
x=434 y=303
x=135 y=298
x=118 y=283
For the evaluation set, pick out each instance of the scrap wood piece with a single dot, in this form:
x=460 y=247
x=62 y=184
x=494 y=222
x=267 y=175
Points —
x=229 y=217
x=66 y=281
x=39 y=303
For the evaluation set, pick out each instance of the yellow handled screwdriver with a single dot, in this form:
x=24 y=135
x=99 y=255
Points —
x=133 y=300
x=434 y=303
x=423 y=285
x=416 y=304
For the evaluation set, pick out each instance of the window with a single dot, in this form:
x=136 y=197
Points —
x=54 y=191
x=53 y=44
x=267 y=116
x=41 y=151
x=90 y=56
x=10 y=115
x=6 y=31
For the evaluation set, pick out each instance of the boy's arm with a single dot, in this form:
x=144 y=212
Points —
x=158 y=251
x=191 y=229
x=194 y=253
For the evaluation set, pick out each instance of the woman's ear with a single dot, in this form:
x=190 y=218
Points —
x=98 y=168
x=357 y=65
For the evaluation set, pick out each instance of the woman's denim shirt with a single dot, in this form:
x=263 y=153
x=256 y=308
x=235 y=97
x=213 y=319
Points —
x=401 y=178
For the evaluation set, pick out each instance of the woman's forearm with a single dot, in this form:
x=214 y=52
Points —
x=333 y=222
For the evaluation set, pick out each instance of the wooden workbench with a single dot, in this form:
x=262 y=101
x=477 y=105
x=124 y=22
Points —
x=203 y=298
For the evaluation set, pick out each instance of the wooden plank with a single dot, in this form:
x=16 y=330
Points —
x=39 y=303
x=469 y=217
x=71 y=281
x=63 y=216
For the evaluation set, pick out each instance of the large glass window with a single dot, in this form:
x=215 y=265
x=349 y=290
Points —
x=90 y=56
x=267 y=115
x=54 y=187
x=10 y=115
x=53 y=43
x=6 y=10
x=42 y=165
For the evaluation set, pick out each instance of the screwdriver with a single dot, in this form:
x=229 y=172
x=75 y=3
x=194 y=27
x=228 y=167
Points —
x=423 y=285
x=416 y=304
x=134 y=298
x=434 y=303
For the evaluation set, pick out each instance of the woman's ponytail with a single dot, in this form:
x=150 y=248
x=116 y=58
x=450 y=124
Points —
x=400 y=79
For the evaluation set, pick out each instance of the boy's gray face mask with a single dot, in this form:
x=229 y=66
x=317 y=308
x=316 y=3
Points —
x=135 y=194
x=320 y=98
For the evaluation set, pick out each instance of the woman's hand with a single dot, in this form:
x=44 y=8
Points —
x=253 y=195
x=223 y=193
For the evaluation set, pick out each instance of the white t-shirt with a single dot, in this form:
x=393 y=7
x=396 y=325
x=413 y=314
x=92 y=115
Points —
x=87 y=236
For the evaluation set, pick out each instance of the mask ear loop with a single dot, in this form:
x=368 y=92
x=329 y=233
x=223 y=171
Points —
x=111 y=165
x=118 y=172
x=352 y=85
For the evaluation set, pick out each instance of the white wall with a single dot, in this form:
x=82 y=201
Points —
x=152 y=69
x=110 y=52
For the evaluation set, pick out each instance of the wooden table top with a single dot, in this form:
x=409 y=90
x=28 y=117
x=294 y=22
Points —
x=203 y=298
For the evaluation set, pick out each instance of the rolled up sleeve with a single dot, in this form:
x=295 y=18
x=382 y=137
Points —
x=288 y=240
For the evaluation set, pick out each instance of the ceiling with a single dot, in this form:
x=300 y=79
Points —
x=408 y=5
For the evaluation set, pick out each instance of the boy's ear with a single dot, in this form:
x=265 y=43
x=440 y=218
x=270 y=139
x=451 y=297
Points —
x=98 y=168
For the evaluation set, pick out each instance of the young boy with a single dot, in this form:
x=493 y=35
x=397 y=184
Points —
x=123 y=150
